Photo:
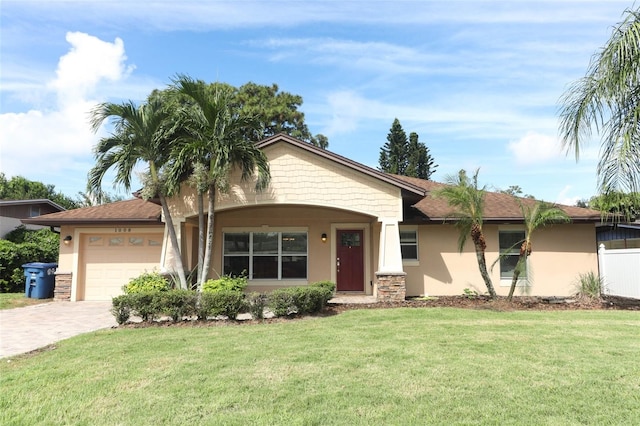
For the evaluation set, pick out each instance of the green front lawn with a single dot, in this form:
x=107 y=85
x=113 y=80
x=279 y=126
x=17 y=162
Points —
x=18 y=300
x=388 y=366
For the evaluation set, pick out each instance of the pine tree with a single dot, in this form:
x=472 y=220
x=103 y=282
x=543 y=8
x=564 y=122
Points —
x=393 y=155
x=420 y=164
x=405 y=157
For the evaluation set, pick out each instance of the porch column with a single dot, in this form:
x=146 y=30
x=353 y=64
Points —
x=390 y=277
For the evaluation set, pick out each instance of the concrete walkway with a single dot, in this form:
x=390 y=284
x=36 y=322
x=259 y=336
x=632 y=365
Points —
x=31 y=327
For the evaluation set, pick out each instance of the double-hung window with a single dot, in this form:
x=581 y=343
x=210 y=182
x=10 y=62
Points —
x=277 y=255
x=409 y=244
x=510 y=243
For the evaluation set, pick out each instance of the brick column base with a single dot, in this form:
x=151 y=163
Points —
x=62 y=289
x=391 y=286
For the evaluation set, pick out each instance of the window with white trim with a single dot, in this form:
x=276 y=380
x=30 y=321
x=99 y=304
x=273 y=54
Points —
x=278 y=255
x=510 y=242
x=409 y=244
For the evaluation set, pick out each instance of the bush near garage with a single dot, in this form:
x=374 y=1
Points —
x=22 y=246
x=147 y=282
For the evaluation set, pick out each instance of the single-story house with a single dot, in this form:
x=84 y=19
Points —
x=619 y=235
x=13 y=211
x=323 y=217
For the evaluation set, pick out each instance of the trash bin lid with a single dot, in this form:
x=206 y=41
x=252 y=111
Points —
x=40 y=265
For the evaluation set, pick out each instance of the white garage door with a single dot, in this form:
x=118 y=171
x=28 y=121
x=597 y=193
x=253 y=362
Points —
x=111 y=260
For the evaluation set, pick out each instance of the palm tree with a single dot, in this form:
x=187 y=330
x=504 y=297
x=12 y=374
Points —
x=217 y=143
x=463 y=194
x=535 y=216
x=608 y=98
x=140 y=134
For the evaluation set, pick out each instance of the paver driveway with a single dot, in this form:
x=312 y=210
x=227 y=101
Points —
x=32 y=327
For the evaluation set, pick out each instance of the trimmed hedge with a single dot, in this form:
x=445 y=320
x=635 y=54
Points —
x=229 y=303
x=299 y=300
x=178 y=304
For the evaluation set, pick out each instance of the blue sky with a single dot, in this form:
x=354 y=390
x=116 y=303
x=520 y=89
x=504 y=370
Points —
x=479 y=81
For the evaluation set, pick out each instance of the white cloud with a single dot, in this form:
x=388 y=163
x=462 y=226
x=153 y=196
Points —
x=535 y=148
x=89 y=61
x=565 y=198
x=56 y=135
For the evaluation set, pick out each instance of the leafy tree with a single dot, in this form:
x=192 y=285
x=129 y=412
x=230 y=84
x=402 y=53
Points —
x=218 y=142
x=463 y=194
x=276 y=111
x=607 y=98
x=515 y=191
x=619 y=204
x=535 y=217
x=85 y=199
x=140 y=134
x=20 y=188
x=407 y=157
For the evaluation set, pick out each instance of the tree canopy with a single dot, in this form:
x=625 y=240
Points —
x=275 y=111
x=606 y=99
x=407 y=157
x=20 y=188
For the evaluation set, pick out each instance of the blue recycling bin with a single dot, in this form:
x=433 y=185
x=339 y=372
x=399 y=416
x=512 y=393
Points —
x=40 y=280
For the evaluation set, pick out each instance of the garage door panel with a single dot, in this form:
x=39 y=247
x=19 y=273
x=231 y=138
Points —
x=112 y=260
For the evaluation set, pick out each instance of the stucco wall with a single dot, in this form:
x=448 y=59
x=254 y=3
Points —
x=300 y=177
x=560 y=253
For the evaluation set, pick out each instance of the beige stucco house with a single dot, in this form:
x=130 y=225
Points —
x=323 y=217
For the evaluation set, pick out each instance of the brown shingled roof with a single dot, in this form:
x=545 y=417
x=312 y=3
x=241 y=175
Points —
x=498 y=207
x=134 y=210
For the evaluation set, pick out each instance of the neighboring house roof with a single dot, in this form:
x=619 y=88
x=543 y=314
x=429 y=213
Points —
x=39 y=201
x=135 y=210
x=385 y=177
x=498 y=207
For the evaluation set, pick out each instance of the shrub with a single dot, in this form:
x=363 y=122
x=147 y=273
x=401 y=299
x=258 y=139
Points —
x=121 y=308
x=147 y=282
x=300 y=300
x=145 y=304
x=229 y=303
x=256 y=302
x=176 y=303
x=29 y=246
x=589 y=285
x=227 y=283
x=281 y=302
x=330 y=286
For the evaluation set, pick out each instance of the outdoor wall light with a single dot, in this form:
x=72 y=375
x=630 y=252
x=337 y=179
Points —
x=324 y=238
x=67 y=240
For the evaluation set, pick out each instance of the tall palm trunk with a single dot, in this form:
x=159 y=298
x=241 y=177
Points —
x=206 y=265
x=174 y=242
x=201 y=238
x=514 y=279
x=482 y=265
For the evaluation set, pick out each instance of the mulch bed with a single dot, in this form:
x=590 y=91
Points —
x=463 y=302
x=501 y=304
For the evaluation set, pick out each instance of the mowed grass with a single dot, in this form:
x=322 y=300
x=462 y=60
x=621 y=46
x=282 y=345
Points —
x=388 y=366
x=18 y=300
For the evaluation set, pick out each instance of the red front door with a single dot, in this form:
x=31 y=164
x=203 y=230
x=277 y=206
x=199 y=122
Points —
x=350 y=260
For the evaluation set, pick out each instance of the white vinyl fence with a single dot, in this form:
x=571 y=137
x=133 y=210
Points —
x=620 y=271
